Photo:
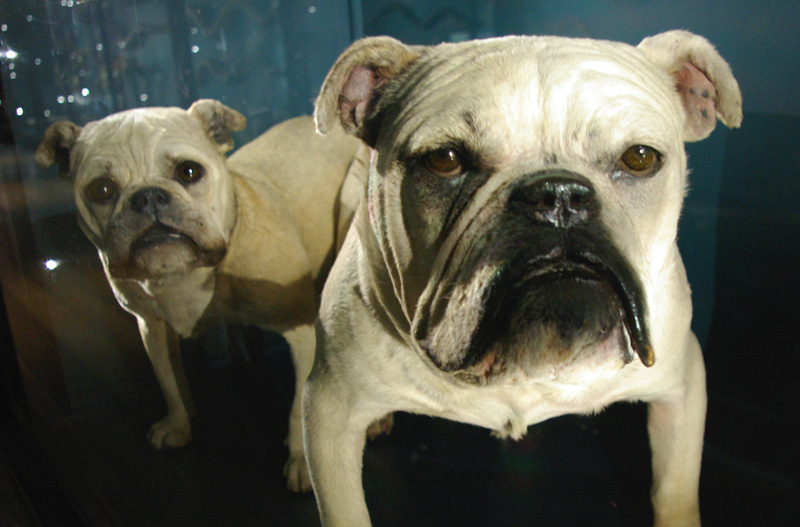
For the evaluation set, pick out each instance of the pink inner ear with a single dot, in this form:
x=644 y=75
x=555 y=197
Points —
x=355 y=96
x=699 y=99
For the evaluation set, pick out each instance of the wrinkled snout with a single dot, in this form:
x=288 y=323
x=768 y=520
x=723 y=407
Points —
x=546 y=289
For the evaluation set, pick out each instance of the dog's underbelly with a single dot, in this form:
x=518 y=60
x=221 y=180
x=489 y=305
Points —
x=510 y=410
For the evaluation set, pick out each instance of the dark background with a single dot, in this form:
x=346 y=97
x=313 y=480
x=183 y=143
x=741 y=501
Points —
x=77 y=391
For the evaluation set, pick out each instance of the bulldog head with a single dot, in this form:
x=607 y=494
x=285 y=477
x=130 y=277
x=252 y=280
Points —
x=151 y=185
x=524 y=193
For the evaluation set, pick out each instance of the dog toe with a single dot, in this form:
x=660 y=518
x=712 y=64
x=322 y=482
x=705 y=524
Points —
x=382 y=426
x=296 y=472
x=167 y=434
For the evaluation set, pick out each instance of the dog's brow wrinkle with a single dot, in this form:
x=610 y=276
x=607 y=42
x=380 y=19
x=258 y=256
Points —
x=469 y=119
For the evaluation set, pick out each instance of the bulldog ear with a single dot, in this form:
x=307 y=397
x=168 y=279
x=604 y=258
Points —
x=702 y=77
x=218 y=121
x=56 y=145
x=354 y=84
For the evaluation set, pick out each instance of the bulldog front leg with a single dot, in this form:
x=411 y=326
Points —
x=335 y=435
x=676 y=428
x=174 y=430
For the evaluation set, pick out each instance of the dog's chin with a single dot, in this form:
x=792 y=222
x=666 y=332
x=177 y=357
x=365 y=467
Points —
x=564 y=323
x=162 y=251
x=541 y=355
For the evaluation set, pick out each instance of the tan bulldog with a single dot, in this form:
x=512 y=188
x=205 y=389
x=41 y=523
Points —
x=185 y=233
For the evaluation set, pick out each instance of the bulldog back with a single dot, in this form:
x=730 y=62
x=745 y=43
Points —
x=304 y=172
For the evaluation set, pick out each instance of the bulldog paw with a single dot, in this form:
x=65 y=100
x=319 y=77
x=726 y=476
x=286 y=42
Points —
x=381 y=426
x=296 y=472
x=500 y=434
x=169 y=433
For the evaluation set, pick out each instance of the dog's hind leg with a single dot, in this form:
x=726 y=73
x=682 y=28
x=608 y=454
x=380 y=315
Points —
x=301 y=341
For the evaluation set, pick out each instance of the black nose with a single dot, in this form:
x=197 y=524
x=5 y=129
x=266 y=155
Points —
x=562 y=199
x=150 y=200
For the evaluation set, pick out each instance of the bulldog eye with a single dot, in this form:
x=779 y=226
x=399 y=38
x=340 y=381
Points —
x=101 y=190
x=640 y=161
x=189 y=172
x=445 y=162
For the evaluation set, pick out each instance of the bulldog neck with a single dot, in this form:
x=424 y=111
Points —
x=180 y=299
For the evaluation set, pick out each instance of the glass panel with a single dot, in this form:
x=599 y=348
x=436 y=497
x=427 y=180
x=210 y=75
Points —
x=90 y=388
x=81 y=393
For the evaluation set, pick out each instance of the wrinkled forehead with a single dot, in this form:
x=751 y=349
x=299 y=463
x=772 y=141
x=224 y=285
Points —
x=138 y=127
x=534 y=89
x=133 y=136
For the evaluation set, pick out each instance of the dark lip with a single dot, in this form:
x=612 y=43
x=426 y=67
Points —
x=629 y=292
x=589 y=266
x=588 y=257
x=523 y=253
x=562 y=269
x=158 y=234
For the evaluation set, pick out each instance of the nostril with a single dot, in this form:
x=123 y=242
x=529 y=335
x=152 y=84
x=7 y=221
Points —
x=578 y=200
x=549 y=200
x=138 y=201
x=582 y=204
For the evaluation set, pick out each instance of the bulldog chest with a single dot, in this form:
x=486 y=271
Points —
x=404 y=378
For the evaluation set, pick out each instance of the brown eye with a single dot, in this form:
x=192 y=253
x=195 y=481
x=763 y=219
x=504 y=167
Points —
x=189 y=172
x=640 y=160
x=445 y=162
x=101 y=190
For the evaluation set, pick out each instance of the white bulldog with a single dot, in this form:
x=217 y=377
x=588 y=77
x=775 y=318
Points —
x=516 y=250
x=184 y=233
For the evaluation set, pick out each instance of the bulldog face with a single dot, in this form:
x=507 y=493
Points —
x=523 y=197
x=151 y=186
